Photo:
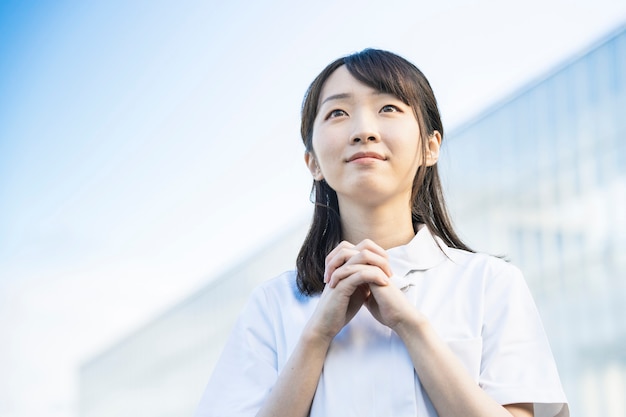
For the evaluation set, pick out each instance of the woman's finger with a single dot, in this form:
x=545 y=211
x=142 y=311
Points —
x=357 y=274
x=371 y=245
x=337 y=257
x=382 y=261
x=364 y=257
x=366 y=253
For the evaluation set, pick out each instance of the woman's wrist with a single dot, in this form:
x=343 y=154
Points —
x=413 y=324
x=315 y=338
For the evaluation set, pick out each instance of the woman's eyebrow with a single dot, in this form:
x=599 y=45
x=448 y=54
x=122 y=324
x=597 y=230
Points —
x=339 y=96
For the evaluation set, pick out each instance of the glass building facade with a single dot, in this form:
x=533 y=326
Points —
x=539 y=178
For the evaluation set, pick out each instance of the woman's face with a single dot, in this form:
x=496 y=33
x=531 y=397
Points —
x=366 y=144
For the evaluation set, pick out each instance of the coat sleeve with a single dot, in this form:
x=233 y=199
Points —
x=517 y=365
x=247 y=367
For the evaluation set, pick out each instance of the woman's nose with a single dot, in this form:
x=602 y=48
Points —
x=364 y=138
x=364 y=131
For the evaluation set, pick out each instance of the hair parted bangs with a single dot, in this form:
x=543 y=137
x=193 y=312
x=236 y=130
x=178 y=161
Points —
x=385 y=72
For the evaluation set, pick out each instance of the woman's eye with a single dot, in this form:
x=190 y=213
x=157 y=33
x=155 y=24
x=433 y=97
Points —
x=389 y=108
x=336 y=113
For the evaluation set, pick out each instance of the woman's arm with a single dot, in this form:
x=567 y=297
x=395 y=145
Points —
x=294 y=390
x=295 y=387
x=450 y=388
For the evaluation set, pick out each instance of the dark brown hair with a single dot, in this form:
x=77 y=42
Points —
x=390 y=74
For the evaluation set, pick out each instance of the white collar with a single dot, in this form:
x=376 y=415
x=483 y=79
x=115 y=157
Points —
x=423 y=252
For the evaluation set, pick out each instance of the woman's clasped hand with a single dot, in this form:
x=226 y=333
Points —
x=358 y=275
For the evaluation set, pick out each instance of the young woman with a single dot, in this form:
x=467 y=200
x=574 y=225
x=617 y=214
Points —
x=388 y=313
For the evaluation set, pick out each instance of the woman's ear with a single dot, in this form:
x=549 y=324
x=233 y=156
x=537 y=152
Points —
x=433 y=145
x=311 y=162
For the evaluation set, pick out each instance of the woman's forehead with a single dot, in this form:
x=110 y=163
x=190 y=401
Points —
x=342 y=85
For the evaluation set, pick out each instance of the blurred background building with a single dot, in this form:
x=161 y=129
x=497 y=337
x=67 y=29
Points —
x=539 y=177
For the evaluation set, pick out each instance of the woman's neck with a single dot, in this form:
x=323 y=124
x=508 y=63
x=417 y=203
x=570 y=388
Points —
x=388 y=226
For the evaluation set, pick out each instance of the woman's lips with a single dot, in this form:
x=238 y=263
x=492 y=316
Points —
x=365 y=155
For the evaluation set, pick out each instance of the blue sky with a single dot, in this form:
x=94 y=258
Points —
x=146 y=146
